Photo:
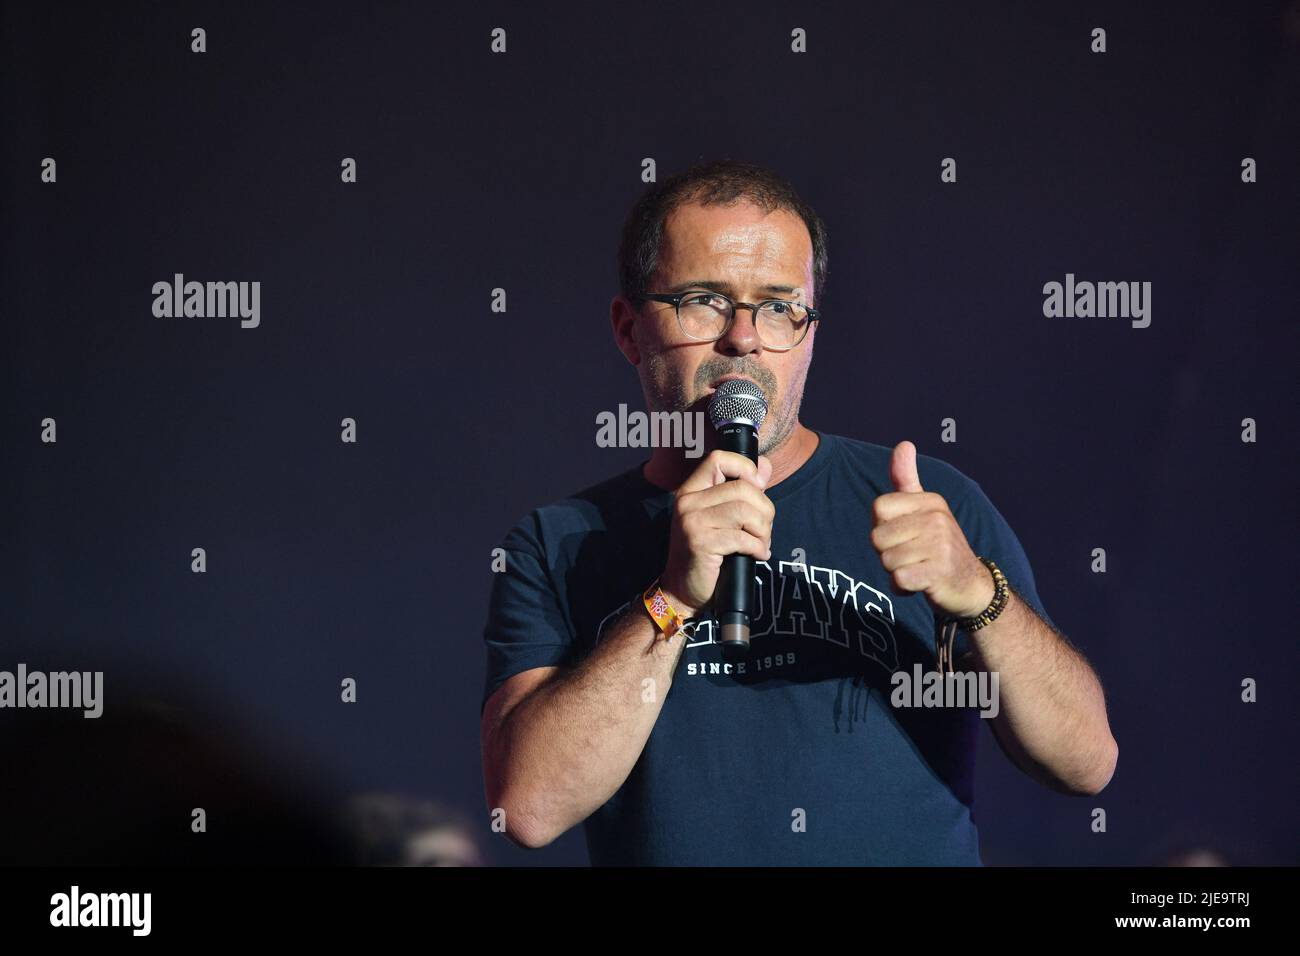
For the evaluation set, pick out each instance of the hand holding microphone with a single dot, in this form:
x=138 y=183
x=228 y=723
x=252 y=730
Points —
x=721 y=525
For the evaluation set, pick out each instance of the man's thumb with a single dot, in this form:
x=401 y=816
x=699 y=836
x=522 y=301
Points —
x=902 y=468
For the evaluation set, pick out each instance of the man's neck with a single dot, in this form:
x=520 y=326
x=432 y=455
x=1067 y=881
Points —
x=669 y=467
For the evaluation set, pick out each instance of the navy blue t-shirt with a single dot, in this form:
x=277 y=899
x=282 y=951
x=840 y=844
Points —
x=794 y=756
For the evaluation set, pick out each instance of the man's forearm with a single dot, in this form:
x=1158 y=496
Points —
x=1052 y=711
x=564 y=750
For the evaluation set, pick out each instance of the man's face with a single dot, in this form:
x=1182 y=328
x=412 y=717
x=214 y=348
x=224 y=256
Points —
x=747 y=255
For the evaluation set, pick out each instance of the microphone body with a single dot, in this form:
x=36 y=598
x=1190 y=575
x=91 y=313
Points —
x=737 y=410
x=733 y=599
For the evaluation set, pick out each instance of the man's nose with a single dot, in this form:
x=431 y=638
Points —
x=742 y=338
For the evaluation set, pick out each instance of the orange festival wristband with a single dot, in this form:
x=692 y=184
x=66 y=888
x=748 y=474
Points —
x=664 y=614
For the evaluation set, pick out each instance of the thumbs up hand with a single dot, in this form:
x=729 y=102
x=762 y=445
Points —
x=922 y=546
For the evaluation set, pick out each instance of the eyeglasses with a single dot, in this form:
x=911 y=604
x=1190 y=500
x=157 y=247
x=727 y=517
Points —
x=706 y=316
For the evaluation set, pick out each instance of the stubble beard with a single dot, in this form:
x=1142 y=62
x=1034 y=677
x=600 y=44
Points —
x=666 y=391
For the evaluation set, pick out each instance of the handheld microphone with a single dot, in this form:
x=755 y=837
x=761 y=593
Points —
x=737 y=410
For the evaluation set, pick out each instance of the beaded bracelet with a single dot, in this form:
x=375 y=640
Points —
x=947 y=626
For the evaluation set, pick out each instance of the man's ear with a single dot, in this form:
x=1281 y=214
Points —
x=623 y=322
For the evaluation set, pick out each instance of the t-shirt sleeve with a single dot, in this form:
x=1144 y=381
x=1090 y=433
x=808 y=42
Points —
x=990 y=536
x=526 y=625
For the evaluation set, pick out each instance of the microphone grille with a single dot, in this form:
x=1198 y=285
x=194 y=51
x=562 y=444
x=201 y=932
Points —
x=738 y=400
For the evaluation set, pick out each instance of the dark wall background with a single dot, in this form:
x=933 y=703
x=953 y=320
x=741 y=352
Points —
x=328 y=560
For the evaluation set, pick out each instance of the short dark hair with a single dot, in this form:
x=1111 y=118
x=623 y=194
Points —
x=715 y=182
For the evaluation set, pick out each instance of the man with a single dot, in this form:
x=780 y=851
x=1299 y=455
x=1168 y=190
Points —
x=599 y=708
